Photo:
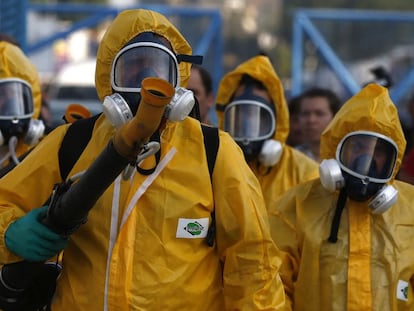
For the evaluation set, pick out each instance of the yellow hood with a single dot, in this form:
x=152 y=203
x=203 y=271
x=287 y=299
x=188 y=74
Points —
x=130 y=23
x=261 y=69
x=371 y=110
x=14 y=64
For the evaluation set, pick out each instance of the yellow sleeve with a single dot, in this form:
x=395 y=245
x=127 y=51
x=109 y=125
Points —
x=250 y=258
x=29 y=185
x=282 y=219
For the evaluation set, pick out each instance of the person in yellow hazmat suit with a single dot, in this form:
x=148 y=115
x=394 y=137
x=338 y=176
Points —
x=347 y=236
x=20 y=103
x=251 y=107
x=143 y=244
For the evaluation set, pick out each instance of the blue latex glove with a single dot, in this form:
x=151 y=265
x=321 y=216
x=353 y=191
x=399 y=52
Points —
x=28 y=238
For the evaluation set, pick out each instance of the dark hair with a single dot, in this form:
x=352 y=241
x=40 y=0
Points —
x=333 y=99
x=248 y=80
x=205 y=78
x=294 y=105
x=6 y=38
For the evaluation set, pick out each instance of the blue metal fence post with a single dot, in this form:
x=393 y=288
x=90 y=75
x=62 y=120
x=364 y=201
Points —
x=303 y=25
x=297 y=54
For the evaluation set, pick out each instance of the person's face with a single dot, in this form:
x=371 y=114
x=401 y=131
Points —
x=249 y=119
x=141 y=60
x=134 y=67
x=315 y=115
x=7 y=100
x=195 y=84
x=15 y=98
x=253 y=122
x=7 y=93
x=365 y=146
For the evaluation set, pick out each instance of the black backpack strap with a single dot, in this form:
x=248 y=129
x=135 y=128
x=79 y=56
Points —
x=211 y=145
x=74 y=142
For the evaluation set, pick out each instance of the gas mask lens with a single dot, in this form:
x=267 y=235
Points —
x=249 y=120
x=15 y=99
x=138 y=61
x=368 y=154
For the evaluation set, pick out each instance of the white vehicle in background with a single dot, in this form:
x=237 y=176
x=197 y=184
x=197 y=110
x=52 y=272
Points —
x=74 y=84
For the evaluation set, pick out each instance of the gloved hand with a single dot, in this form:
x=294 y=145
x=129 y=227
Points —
x=28 y=238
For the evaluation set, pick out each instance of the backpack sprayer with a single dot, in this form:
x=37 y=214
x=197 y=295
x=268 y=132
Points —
x=72 y=201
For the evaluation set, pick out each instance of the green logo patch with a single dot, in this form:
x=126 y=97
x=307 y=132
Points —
x=194 y=228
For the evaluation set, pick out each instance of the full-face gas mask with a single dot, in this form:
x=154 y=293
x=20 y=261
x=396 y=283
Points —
x=365 y=162
x=16 y=111
x=251 y=121
x=145 y=56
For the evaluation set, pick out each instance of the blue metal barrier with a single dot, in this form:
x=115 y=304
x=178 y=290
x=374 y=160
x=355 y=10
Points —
x=303 y=26
x=209 y=43
x=13 y=19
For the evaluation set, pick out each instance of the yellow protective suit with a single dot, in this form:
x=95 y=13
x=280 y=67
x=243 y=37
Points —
x=134 y=252
x=371 y=266
x=293 y=167
x=14 y=64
